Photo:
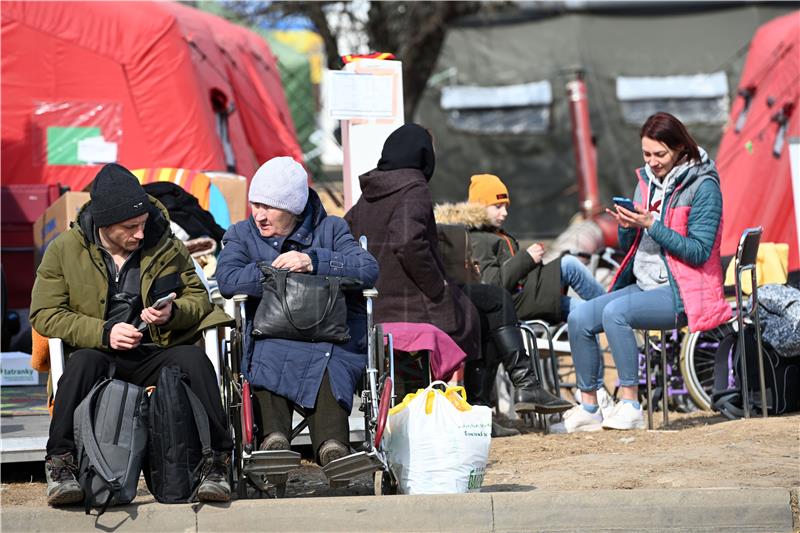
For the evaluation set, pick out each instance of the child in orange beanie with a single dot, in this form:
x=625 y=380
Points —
x=537 y=289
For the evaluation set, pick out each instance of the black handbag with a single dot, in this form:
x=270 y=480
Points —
x=302 y=307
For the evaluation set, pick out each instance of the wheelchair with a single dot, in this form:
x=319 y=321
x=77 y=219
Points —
x=253 y=470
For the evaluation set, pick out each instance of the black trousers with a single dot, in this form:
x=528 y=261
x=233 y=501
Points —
x=496 y=310
x=327 y=420
x=494 y=305
x=86 y=367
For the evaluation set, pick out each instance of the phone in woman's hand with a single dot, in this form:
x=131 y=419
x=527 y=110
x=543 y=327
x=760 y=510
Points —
x=627 y=203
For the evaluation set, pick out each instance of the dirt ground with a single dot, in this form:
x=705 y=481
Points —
x=700 y=450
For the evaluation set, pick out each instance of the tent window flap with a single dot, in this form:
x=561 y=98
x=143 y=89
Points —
x=698 y=98
x=516 y=109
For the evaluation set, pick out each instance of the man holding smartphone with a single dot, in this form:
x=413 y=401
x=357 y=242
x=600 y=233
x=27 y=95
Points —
x=121 y=291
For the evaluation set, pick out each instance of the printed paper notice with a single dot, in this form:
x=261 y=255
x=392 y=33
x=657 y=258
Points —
x=352 y=95
x=97 y=150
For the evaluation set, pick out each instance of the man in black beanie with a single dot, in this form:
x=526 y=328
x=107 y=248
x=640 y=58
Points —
x=95 y=289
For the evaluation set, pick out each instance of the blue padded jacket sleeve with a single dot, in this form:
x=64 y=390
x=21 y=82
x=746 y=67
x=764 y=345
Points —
x=237 y=272
x=703 y=224
x=346 y=257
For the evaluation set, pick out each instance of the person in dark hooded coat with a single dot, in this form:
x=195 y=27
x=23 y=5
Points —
x=395 y=213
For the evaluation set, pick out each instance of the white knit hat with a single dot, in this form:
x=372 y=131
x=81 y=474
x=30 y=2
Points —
x=281 y=183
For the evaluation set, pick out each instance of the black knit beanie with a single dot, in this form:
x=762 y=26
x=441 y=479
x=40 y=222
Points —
x=116 y=196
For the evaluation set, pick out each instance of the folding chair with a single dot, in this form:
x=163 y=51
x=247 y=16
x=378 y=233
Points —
x=745 y=260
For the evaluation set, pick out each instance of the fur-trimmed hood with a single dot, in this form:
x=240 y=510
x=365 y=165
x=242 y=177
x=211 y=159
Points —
x=471 y=215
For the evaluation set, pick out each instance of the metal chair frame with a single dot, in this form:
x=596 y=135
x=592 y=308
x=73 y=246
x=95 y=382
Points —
x=664 y=379
x=745 y=261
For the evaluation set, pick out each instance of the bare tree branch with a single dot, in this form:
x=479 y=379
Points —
x=414 y=31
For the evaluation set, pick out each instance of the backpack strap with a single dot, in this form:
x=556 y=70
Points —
x=200 y=419
x=721 y=367
x=203 y=431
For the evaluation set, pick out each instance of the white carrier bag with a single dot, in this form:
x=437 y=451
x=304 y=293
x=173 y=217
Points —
x=437 y=443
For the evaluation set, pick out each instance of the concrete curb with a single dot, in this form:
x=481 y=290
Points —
x=692 y=510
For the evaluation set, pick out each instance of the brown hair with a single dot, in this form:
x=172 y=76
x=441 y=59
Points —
x=667 y=129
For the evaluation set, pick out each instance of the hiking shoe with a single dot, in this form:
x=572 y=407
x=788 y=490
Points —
x=215 y=487
x=331 y=450
x=499 y=431
x=624 y=416
x=539 y=400
x=579 y=419
x=62 y=487
x=275 y=441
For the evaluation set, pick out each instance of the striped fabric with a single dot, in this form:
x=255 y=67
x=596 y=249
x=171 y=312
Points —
x=195 y=183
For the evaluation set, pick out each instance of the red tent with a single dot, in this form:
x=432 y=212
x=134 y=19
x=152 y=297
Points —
x=148 y=84
x=236 y=68
x=83 y=79
x=753 y=158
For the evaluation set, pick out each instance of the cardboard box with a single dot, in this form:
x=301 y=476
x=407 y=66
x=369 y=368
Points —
x=234 y=188
x=56 y=220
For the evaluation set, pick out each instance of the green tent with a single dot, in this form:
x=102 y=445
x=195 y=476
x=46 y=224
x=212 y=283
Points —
x=497 y=101
x=296 y=77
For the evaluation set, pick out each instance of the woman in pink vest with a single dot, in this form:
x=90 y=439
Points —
x=671 y=275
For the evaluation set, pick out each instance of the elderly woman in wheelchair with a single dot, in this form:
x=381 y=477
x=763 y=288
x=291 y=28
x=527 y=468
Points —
x=289 y=230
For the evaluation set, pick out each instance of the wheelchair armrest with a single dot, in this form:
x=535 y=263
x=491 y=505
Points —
x=370 y=293
x=211 y=346
x=56 y=346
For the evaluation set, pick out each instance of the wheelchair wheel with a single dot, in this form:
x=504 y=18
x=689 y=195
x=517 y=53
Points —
x=697 y=362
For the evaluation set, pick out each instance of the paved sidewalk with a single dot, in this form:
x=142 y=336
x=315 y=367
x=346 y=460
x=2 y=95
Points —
x=685 y=510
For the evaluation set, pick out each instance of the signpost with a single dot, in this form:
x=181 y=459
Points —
x=367 y=96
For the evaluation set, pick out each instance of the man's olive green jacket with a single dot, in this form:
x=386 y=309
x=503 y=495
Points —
x=71 y=290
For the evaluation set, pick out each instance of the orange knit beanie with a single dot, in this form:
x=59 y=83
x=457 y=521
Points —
x=487 y=189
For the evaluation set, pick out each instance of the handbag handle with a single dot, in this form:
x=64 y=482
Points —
x=333 y=290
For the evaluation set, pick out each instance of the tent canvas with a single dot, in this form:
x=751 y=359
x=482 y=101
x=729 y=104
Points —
x=526 y=138
x=140 y=83
x=130 y=70
x=753 y=163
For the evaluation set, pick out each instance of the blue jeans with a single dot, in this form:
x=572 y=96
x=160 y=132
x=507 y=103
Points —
x=576 y=275
x=617 y=313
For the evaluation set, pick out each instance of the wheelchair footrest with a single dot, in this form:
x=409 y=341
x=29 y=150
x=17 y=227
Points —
x=271 y=462
x=353 y=465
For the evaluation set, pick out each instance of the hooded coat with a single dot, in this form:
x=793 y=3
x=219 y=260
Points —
x=294 y=369
x=70 y=296
x=534 y=287
x=395 y=213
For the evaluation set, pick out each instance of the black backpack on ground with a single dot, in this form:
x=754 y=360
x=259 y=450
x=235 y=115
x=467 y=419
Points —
x=179 y=450
x=781 y=376
x=110 y=427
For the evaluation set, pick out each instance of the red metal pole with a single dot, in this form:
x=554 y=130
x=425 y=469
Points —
x=585 y=153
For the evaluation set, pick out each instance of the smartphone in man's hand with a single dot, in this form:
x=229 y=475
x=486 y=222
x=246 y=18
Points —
x=158 y=304
x=164 y=300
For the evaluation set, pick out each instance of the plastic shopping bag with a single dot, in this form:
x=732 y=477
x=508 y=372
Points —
x=437 y=443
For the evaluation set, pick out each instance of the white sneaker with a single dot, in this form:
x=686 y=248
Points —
x=579 y=419
x=624 y=416
x=604 y=400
